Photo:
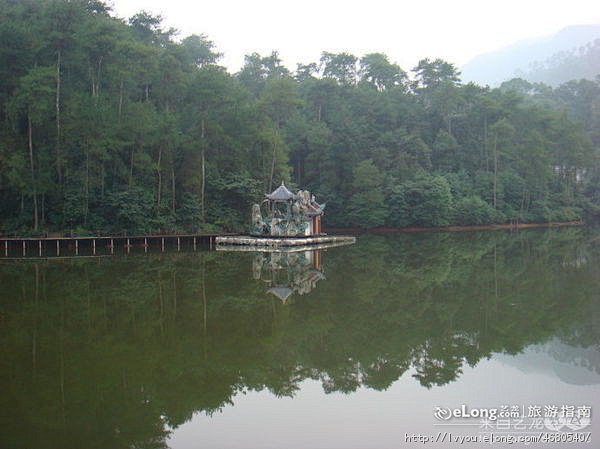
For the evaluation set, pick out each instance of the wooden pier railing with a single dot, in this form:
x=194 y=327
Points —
x=101 y=245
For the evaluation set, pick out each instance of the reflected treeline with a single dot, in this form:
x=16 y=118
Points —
x=110 y=352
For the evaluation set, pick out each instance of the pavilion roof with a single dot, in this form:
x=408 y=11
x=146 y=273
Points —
x=315 y=208
x=281 y=193
x=282 y=293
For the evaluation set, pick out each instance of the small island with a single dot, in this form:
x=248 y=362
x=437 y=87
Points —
x=291 y=219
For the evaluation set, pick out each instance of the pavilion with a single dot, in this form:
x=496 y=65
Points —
x=289 y=214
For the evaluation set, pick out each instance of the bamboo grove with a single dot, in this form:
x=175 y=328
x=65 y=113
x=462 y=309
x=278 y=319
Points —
x=114 y=125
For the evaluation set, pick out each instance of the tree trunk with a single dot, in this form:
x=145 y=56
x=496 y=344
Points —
x=97 y=89
x=523 y=200
x=31 y=164
x=43 y=211
x=87 y=184
x=120 y=99
x=204 y=305
x=485 y=141
x=495 y=169
x=173 y=188
x=158 y=170
x=203 y=168
x=273 y=164
x=58 y=162
x=114 y=171
x=102 y=181
x=131 y=168
x=91 y=75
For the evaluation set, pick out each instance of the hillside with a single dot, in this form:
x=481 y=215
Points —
x=568 y=54
x=110 y=125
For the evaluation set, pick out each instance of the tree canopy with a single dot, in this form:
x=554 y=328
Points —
x=102 y=117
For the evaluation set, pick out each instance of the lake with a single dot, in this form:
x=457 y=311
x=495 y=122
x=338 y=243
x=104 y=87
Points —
x=407 y=340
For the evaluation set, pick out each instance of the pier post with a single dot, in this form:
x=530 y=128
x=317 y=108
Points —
x=145 y=245
x=178 y=244
x=58 y=247
x=194 y=243
x=76 y=247
x=112 y=246
x=163 y=244
x=23 y=248
x=6 y=248
x=128 y=246
x=40 y=247
x=94 y=246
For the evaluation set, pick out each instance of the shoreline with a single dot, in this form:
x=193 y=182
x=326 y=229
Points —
x=328 y=230
x=470 y=228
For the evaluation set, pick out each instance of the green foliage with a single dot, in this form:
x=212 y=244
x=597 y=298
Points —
x=132 y=210
x=433 y=74
x=366 y=207
x=376 y=70
x=200 y=50
x=445 y=152
x=340 y=67
x=96 y=108
x=472 y=210
x=74 y=208
x=34 y=94
x=425 y=201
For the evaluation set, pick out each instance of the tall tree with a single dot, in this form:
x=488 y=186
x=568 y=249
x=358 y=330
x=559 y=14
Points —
x=376 y=70
x=340 y=67
x=32 y=99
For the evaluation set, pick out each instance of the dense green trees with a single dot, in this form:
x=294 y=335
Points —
x=102 y=118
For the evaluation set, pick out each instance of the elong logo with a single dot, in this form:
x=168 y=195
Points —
x=444 y=413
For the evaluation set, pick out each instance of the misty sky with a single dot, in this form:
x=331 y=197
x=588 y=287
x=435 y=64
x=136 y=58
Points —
x=406 y=31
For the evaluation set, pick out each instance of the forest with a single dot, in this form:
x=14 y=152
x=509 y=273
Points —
x=111 y=125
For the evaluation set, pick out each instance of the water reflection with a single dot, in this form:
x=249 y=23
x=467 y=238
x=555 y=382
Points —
x=112 y=352
x=574 y=365
x=288 y=272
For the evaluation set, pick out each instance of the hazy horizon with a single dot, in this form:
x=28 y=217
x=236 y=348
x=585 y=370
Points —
x=406 y=33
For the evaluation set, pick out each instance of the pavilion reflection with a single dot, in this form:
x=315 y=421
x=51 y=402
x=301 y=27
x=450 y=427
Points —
x=288 y=272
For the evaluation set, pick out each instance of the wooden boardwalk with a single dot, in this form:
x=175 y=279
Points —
x=75 y=246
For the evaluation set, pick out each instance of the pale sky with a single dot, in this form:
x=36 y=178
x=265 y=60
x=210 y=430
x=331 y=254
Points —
x=407 y=31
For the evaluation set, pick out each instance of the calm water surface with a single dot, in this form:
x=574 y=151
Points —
x=353 y=347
